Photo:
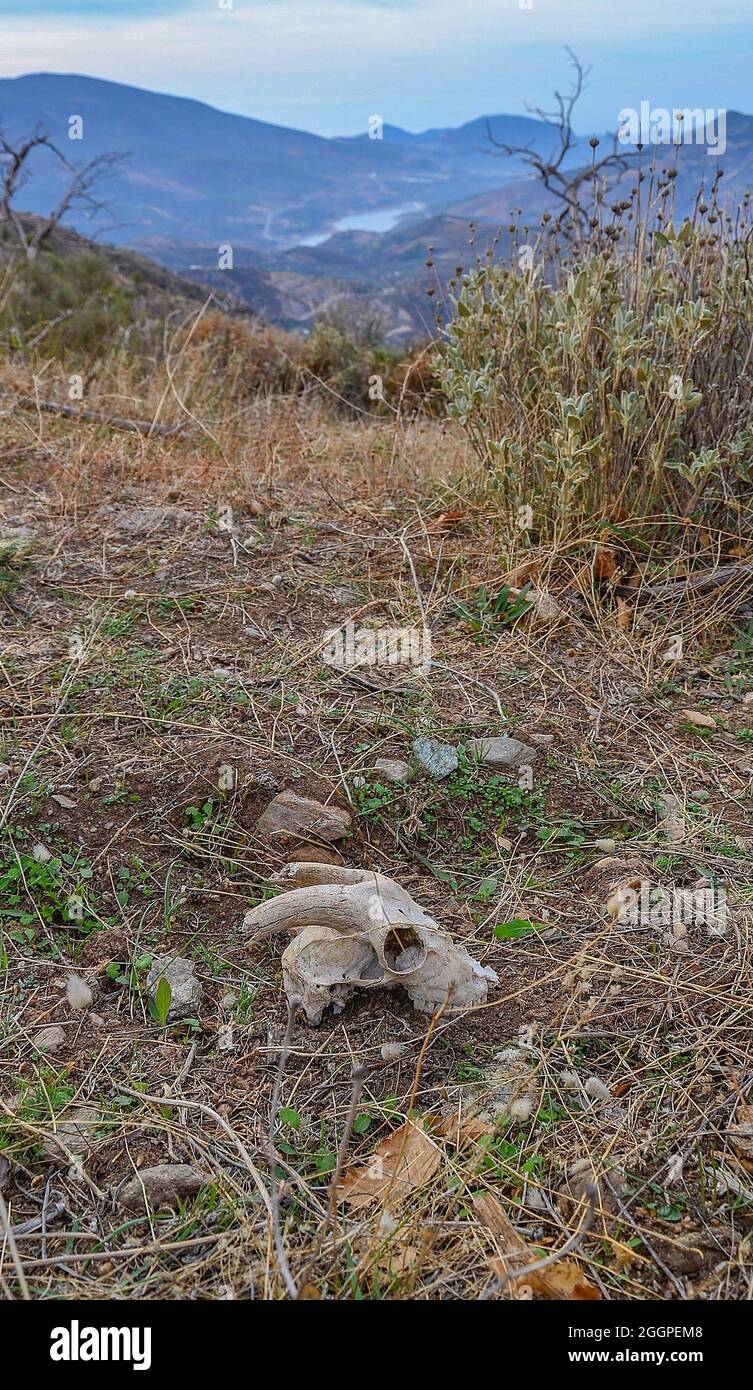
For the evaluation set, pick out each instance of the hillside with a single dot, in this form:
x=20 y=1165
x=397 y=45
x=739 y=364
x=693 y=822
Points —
x=314 y=223
x=194 y=172
x=500 y=1027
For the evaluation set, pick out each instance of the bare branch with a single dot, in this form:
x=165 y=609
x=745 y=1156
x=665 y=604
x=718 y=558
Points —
x=15 y=172
x=565 y=185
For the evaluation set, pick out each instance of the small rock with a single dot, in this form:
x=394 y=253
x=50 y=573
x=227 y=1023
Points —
x=541 y=739
x=390 y=1051
x=302 y=818
x=64 y=801
x=50 y=1039
x=546 y=607
x=535 y=1200
x=186 y=992
x=41 y=853
x=439 y=759
x=605 y=846
x=501 y=752
x=698 y=718
x=162 y=1186
x=392 y=769
x=73 y=1134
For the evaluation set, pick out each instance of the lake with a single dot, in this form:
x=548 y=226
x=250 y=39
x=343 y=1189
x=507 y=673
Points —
x=375 y=220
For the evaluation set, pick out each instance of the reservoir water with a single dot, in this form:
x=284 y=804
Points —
x=375 y=220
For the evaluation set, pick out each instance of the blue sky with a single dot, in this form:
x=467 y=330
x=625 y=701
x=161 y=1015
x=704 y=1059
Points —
x=329 y=66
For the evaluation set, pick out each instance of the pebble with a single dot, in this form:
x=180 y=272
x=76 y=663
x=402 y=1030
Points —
x=186 y=992
x=302 y=817
x=49 y=1039
x=392 y=769
x=439 y=759
x=164 y=1185
x=501 y=752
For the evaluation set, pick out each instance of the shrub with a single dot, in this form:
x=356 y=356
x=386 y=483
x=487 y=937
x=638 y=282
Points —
x=607 y=383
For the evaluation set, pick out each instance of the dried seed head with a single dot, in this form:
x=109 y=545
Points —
x=78 y=993
x=596 y=1089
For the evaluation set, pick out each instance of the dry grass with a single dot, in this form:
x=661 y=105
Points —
x=200 y=647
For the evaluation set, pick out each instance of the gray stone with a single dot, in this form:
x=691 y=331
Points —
x=73 y=1134
x=302 y=818
x=392 y=769
x=501 y=752
x=439 y=759
x=145 y=521
x=50 y=1039
x=186 y=992
x=162 y=1186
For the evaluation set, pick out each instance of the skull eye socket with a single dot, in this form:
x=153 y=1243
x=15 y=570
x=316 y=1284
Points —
x=403 y=951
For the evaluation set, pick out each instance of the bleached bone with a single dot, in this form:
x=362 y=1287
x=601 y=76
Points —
x=385 y=938
x=323 y=967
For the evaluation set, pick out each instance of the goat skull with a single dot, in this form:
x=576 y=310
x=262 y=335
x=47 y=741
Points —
x=356 y=929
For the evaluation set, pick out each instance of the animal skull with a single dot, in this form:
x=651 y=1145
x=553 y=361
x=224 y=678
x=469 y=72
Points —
x=354 y=929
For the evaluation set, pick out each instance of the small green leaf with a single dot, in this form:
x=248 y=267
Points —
x=510 y=931
x=163 y=997
x=290 y=1117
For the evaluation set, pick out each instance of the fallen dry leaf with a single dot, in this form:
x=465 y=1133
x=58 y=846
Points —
x=561 y=1279
x=460 y=1128
x=523 y=573
x=605 y=563
x=695 y=716
x=398 y=1258
x=624 y=615
x=448 y=520
x=402 y=1162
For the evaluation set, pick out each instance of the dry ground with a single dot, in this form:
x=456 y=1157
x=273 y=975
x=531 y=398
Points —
x=143 y=646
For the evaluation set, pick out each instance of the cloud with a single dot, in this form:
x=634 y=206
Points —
x=91 y=9
x=326 y=65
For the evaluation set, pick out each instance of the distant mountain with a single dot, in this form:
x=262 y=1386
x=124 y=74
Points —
x=695 y=167
x=194 y=172
x=314 y=221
